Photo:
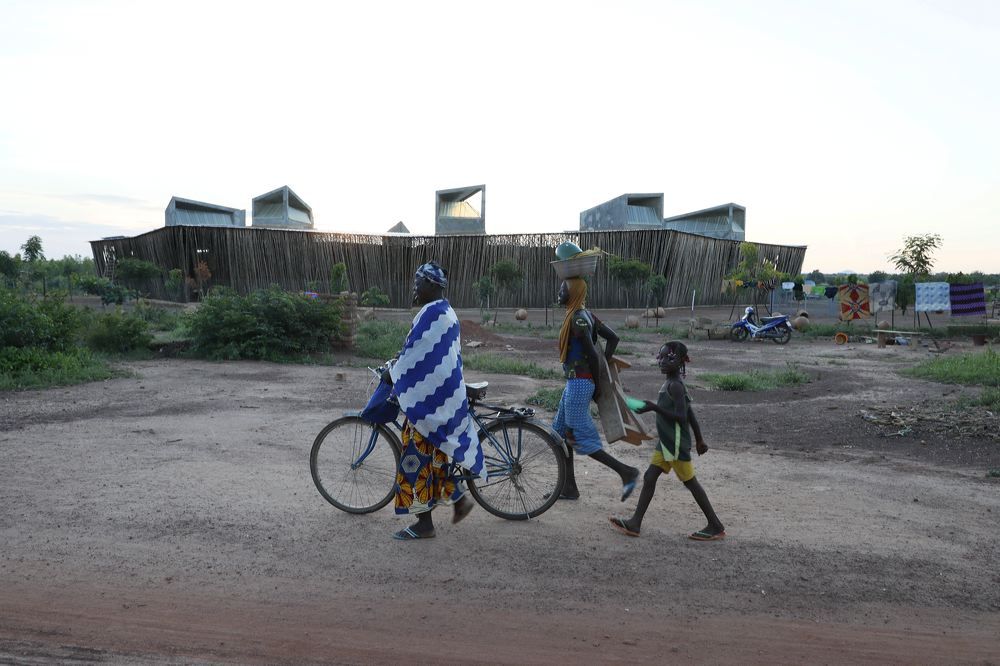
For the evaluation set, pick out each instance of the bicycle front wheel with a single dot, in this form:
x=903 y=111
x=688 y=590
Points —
x=353 y=464
x=526 y=467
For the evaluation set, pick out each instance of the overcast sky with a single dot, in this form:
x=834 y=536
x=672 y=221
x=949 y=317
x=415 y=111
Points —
x=840 y=125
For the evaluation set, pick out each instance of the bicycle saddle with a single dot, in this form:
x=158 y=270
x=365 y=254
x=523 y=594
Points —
x=476 y=390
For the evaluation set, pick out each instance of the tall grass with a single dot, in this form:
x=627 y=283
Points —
x=756 y=380
x=503 y=365
x=981 y=369
x=32 y=367
x=546 y=398
x=380 y=340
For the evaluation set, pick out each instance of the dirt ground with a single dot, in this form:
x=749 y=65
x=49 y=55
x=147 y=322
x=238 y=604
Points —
x=169 y=517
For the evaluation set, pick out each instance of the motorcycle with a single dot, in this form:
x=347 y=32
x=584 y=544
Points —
x=772 y=328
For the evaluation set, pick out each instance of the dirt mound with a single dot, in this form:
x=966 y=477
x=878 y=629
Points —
x=473 y=332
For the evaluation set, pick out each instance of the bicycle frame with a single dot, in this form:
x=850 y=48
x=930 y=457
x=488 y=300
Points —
x=507 y=457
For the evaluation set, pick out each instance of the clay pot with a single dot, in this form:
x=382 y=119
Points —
x=521 y=314
x=631 y=321
x=800 y=323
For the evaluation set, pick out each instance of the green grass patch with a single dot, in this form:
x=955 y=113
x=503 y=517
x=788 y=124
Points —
x=546 y=398
x=503 y=365
x=980 y=369
x=380 y=339
x=989 y=398
x=756 y=380
x=543 y=332
x=31 y=367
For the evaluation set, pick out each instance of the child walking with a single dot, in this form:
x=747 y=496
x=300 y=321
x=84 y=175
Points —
x=674 y=422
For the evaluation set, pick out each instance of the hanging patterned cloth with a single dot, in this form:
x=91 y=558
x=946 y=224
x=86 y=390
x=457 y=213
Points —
x=932 y=297
x=882 y=295
x=853 y=301
x=967 y=299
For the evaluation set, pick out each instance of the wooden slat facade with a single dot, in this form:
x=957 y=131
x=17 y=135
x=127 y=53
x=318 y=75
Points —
x=247 y=259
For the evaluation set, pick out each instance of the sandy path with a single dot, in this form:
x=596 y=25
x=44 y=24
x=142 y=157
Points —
x=171 y=516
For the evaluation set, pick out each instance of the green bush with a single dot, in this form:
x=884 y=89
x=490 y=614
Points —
x=118 y=333
x=92 y=284
x=266 y=324
x=374 y=297
x=31 y=367
x=47 y=323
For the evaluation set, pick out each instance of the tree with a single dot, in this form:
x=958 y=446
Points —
x=175 y=283
x=878 y=276
x=507 y=276
x=32 y=249
x=33 y=254
x=656 y=287
x=628 y=273
x=915 y=257
x=338 y=278
x=753 y=271
x=136 y=272
x=10 y=267
x=484 y=290
x=816 y=276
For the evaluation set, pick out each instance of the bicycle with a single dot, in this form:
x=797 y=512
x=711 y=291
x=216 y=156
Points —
x=354 y=461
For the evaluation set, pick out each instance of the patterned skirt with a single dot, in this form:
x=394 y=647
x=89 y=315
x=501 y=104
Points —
x=423 y=479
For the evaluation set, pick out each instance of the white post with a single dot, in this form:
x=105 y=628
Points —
x=693 y=292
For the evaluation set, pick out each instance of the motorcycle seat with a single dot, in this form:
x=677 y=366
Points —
x=766 y=320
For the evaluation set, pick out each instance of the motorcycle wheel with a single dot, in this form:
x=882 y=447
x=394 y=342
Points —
x=783 y=336
x=739 y=334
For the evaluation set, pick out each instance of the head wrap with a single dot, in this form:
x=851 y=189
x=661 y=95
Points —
x=433 y=273
x=577 y=295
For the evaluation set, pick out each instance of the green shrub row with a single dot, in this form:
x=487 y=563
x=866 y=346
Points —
x=267 y=324
x=31 y=367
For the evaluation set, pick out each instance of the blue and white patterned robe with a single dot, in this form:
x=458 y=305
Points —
x=427 y=380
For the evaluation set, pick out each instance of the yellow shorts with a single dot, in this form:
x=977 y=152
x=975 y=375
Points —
x=684 y=469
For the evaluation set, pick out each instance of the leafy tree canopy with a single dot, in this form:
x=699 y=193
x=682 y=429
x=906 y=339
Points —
x=916 y=255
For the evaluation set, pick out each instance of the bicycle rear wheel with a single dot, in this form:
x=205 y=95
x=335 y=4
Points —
x=526 y=467
x=353 y=464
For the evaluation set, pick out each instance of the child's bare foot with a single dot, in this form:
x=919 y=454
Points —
x=624 y=526
x=709 y=533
